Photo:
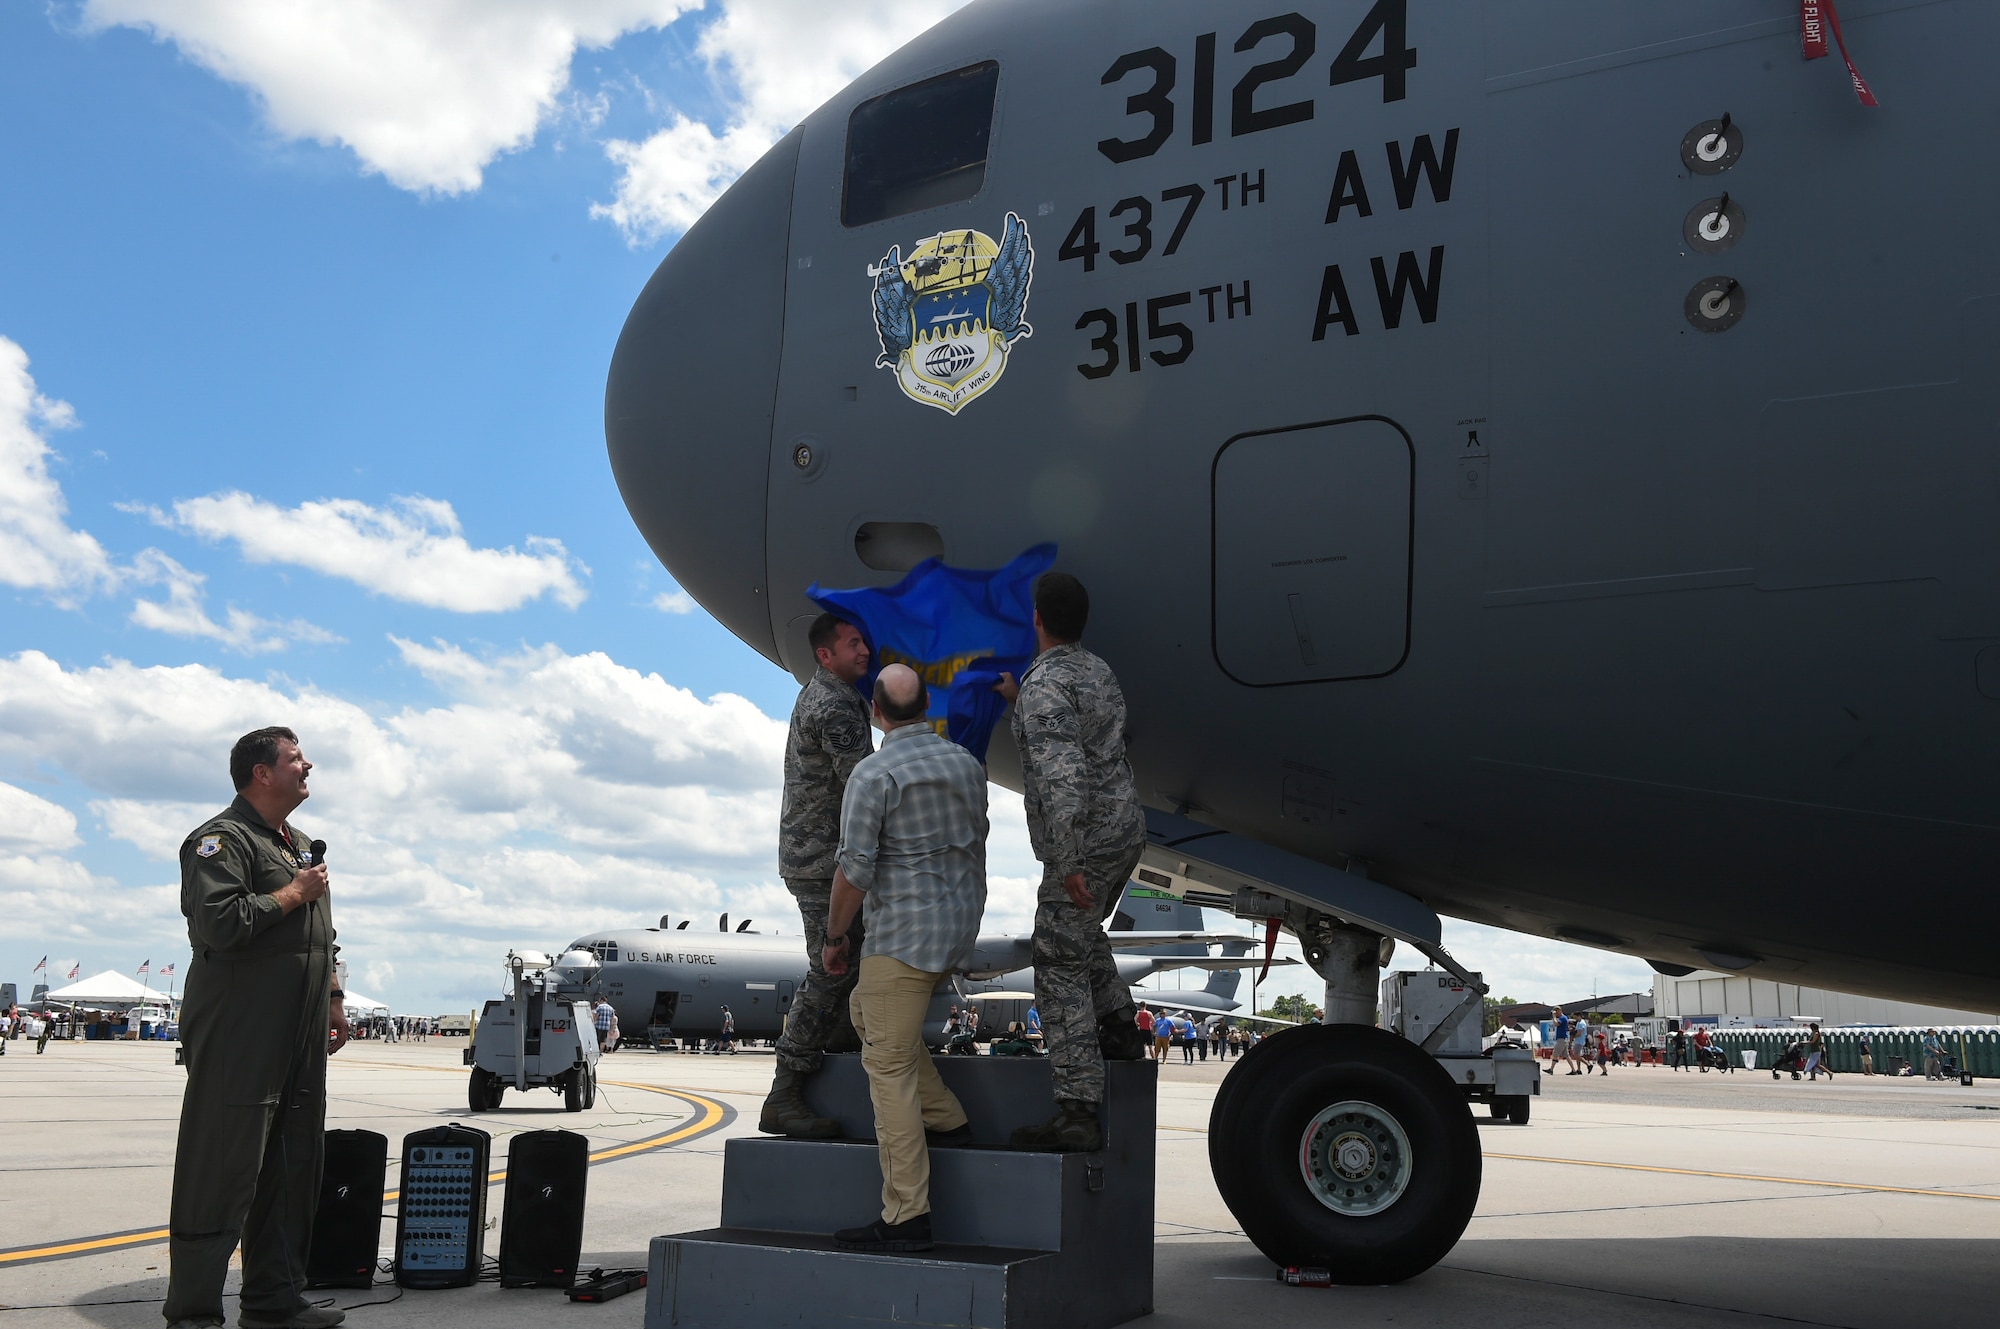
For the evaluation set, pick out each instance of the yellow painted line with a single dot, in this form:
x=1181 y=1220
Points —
x=83 y=1245
x=1749 y=1176
x=711 y=1114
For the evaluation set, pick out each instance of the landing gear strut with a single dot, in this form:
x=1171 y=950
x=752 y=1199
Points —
x=1341 y=1145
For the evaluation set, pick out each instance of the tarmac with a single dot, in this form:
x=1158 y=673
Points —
x=1649 y=1197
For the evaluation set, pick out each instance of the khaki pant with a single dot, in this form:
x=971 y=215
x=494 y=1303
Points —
x=888 y=1005
x=1867 y=1064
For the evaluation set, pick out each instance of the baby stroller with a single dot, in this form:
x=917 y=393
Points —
x=1713 y=1057
x=1794 y=1059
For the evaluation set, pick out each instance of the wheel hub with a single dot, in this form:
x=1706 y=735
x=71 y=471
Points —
x=1355 y=1158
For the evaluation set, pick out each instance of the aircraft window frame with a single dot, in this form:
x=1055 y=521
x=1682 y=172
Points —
x=884 y=199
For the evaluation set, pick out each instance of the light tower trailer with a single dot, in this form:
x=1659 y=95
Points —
x=541 y=1036
x=1443 y=1014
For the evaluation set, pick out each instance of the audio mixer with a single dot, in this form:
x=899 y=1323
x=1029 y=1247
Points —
x=441 y=1216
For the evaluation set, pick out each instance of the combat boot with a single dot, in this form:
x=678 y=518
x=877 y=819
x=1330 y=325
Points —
x=785 y=1110
x=1073 y=1130
x=1119 y=1038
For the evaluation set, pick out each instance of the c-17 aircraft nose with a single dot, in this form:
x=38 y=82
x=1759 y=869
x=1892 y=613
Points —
x=687 y=408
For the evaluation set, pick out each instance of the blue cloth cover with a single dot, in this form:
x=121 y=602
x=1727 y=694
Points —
x=959 y=628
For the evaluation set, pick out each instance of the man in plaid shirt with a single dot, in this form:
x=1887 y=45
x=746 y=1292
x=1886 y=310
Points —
x=913 y=844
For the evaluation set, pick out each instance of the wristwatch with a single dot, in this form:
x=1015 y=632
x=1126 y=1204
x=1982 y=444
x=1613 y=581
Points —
x=339 y=996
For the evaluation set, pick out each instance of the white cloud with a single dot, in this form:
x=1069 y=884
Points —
x=184 y=614
x=776 y=61
x=551 y=794
x=426 y=93
x=38 y=549
x=674 y=602
x=58 y=903
x=1540 y=968
x=413 y=550
x=30 y=823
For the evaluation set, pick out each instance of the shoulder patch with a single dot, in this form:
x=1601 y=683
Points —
x=843 y=737
x=210 y=846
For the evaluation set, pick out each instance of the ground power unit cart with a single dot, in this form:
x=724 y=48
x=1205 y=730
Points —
x=1443 y=1014
x=540 y=1036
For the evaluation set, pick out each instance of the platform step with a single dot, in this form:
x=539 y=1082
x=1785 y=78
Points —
x=979 y=1197
x=999 y=1094
x=730 y=1278
x=1027 y=1240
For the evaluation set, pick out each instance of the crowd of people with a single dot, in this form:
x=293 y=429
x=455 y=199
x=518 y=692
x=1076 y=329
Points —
x=1589 y=1050
x=389 y=1028
x=1163 y=1032
x=1168 y=1030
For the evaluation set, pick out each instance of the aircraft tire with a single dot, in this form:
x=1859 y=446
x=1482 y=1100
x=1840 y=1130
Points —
x=1393 y=1153
x=1222 y=1116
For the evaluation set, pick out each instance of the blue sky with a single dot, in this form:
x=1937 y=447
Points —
x=306 y=313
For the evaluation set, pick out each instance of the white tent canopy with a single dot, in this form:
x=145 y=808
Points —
x=359 y=1005
x=107 y=989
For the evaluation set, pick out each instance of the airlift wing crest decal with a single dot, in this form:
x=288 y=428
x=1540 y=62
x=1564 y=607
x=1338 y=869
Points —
x=948 y=314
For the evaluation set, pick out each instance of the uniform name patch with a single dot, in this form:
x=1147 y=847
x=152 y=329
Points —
x=210 y=846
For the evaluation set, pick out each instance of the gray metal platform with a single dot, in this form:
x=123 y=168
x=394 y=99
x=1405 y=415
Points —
x=1025 y=1240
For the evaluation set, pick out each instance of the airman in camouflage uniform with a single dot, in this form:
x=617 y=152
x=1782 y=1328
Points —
x=1087 y=829
x=829 y=736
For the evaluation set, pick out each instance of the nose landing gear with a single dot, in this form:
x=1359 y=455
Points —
x=1345 y=1147
x=1338 y=1146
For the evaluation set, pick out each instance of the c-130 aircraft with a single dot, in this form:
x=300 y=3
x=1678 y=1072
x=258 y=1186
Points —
x=678 y=979
x=1532 y=462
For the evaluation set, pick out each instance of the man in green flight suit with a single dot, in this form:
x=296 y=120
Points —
x=261 y=1000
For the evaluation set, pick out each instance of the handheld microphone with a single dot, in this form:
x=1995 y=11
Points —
x=318 y=850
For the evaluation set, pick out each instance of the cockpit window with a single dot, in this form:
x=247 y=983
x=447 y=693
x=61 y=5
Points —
x=919 y=147
x=606 y=951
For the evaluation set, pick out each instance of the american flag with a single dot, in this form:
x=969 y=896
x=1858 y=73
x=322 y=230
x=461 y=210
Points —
x=74 y=970
x=145 y=964
x=166 y=971
x=43 y=965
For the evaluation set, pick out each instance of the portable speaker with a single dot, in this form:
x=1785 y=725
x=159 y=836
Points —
x=441 y=1217
x=347 y=1226
x=541 y=1225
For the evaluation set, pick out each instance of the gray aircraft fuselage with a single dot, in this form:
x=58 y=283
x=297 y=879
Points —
x=1450 y=501
x=683 y=979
